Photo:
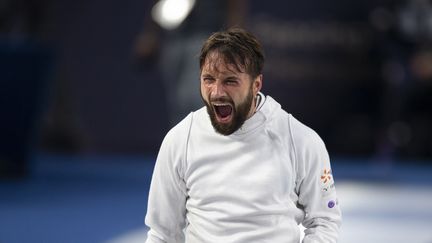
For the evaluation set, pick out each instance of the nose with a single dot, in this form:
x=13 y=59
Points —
x=218 y=89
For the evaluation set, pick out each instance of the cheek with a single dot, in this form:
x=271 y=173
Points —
x=238 y=98
x=245 y=93
x=204 y=92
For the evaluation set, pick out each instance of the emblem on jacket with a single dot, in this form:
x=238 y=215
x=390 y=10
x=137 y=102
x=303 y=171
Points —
x=326 y=176
x=327 y=182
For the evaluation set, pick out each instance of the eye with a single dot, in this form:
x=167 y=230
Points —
x=207 y=79
x=231 y=82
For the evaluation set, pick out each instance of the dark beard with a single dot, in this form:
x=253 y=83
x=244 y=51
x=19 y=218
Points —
x=240 y=115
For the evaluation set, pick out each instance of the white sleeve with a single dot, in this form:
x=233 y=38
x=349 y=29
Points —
x=316 y=189
x=167 y=196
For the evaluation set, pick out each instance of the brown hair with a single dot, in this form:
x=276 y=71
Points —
x=237 y=47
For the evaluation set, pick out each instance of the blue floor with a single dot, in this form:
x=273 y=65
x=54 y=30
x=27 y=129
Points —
x=76 y=200
x=95 y=199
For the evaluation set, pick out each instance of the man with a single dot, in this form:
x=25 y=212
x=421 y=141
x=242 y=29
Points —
x=240 y=169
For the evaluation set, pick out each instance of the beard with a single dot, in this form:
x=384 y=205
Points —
x=240 y=113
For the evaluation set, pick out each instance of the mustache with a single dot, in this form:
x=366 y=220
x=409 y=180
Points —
x=221 y=99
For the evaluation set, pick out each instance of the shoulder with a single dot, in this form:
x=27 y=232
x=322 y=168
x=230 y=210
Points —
x=286 y=125
x=173 y=150
x=180 y=130
x=300 y=134
x=180 y=133
x=309 y=149
x=303 y=136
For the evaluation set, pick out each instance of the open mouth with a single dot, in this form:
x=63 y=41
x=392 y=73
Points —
x=223 y=112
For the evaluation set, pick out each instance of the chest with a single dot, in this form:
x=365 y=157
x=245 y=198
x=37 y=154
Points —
x=257 y=169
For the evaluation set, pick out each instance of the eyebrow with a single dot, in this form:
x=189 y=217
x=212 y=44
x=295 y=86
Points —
x=207 y=75
x=232 y=77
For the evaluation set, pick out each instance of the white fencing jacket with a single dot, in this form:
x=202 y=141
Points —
x=255 y=185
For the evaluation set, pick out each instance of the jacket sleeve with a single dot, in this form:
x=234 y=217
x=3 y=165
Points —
x=167 y=196
x=316 y=190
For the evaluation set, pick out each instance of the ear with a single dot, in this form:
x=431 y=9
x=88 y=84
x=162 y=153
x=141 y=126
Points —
x=257 y=84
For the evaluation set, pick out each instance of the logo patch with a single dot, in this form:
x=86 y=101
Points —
x=331 y=203
x=326 y=176
x=327 y=183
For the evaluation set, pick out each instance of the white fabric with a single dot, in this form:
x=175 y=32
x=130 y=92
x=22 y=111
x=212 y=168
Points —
x=255 y=185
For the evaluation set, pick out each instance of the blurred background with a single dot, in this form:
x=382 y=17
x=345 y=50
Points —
x=88 y=89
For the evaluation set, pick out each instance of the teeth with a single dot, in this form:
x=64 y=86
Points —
x=220 y=104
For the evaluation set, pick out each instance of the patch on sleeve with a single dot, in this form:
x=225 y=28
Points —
x=332 y=203
x=326 y=176
x=327 y=182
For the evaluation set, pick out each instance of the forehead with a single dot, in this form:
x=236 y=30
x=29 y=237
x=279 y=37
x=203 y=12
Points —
x=216 y=62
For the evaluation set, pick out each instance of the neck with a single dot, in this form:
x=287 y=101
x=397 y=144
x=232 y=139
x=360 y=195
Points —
x=254 y=105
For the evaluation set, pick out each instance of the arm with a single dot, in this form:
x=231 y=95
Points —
x=167 y=197
x=315 y=187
